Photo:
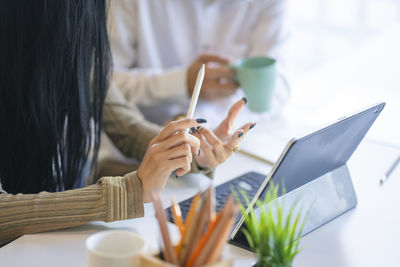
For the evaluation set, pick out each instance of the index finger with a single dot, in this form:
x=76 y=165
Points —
x=213 y=57
x=235 y=110
x=219 y=72
x=226 y=125
x=176 y=126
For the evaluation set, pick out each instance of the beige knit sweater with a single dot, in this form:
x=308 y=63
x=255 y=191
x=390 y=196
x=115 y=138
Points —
x=109 y=199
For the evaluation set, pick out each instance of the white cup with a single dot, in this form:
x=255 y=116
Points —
x=114 y=248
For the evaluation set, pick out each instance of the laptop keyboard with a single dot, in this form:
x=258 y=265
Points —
x=249 y=183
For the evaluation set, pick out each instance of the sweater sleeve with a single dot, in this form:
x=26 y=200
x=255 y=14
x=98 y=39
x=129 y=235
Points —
x=126 y=126
x=110 y=199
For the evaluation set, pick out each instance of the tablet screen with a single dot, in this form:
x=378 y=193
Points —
x=324 y=150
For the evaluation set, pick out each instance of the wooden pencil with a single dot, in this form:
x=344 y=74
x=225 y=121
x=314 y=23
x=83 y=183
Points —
x=177 y=214
x=203 y=240
x=190 y=232
x=212 y=204
x=200 y=223
x=188 y=220
x=169 y=254
x=213 y=227
x=207 y=249
x=217 y=251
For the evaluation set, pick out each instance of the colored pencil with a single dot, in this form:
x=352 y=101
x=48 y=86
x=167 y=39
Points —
x=199 y=224
x=169 y=252
x=211 y=229
x=191 y=230
x=188 y=220
x=177 y=214
x=209 y=245
x=217 y=251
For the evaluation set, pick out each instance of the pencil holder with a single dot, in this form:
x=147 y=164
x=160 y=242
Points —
x=154 y=261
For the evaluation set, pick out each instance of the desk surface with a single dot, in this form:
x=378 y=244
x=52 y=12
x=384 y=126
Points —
x=364 y=236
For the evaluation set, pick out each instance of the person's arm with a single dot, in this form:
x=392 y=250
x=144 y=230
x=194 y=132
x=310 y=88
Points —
x=110 y=199
x=126 y=126
x=144 y=86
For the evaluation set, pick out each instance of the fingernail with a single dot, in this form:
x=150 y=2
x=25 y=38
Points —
x=201 y=120
x=198 y=154
x=252 y=126
x=193 y=129
x=240 y=135
x=199 y=128
x=245 y=100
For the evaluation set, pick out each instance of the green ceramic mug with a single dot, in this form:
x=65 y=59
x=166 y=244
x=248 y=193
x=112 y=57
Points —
x=256 y=76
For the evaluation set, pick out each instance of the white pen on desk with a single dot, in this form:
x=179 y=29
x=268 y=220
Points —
x=389 y=172
x=196 y=93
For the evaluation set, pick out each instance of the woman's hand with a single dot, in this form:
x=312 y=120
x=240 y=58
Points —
x=216 y=147
x=170 y=150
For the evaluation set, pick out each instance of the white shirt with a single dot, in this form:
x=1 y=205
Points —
x=154 y=41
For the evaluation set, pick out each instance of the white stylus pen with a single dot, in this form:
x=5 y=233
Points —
x=389 y=172
x=196 y=93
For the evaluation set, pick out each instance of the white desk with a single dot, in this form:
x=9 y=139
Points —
x=365 y=236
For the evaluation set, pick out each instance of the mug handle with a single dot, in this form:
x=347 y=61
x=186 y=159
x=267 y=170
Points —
x=286 y=84
x=282 y=100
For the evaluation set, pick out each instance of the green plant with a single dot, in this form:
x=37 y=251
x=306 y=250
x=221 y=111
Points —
x=271 y=233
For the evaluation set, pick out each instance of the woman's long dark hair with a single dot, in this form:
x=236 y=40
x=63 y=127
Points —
x=54 y=65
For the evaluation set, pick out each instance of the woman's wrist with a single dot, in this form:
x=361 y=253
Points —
x=146 y=198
